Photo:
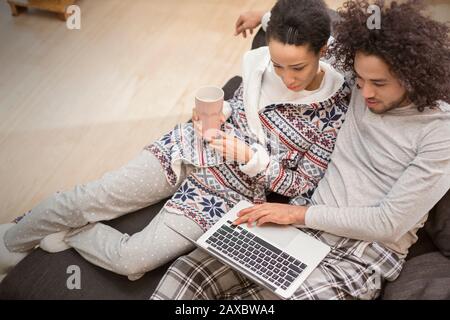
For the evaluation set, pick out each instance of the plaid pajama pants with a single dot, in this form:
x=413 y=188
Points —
x=353 y=269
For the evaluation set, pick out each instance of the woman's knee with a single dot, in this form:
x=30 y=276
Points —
x=132 y=261
x=71 y=207
x=131 y=265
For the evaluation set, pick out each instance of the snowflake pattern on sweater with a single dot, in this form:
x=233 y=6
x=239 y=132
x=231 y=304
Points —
x=299 y=139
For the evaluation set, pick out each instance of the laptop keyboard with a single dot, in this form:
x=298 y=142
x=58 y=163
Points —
x=275 y=266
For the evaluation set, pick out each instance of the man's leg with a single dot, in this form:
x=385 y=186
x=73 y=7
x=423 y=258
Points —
x=199 y=276
x=341 y=275
x=134 y=255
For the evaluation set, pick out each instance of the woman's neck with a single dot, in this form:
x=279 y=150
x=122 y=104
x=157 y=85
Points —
x=317 y=81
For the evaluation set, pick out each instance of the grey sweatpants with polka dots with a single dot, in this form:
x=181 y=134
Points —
x=136 y=185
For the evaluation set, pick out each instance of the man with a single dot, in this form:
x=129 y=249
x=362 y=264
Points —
x=390 y=166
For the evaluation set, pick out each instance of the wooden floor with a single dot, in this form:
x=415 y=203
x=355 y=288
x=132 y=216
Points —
x=76 y=104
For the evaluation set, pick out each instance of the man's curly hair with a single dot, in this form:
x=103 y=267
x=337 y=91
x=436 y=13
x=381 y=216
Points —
x=415 y=47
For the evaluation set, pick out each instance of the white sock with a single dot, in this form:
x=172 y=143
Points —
x=55 y=242
x=135 y=277
x=8 y=259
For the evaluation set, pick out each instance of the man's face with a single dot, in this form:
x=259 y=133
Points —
x=380 y=89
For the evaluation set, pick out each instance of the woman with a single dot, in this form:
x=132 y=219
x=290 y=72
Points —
x=281 y=129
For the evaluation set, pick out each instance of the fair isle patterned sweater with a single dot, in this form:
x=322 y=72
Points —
x=299 y=141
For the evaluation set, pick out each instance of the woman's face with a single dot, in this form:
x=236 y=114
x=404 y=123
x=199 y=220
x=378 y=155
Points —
x=297 y=66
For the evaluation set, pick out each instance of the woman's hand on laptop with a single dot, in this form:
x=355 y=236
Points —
x=278 y=213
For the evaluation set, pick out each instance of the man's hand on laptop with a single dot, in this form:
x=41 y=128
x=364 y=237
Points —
x=278 y=213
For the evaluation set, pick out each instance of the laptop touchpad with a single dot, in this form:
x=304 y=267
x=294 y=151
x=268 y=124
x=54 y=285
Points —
x=278 y=234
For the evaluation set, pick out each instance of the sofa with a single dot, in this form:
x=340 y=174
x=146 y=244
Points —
x=42 y=275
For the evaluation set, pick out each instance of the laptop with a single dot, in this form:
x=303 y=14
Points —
x=278 y=257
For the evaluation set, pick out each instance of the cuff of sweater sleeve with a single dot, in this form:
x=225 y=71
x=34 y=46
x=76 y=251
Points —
x=265 y=20
x=258 y=162
x=226 y=110
x=312 y=217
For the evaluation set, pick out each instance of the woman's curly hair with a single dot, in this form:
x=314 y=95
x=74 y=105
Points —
x=415 y=47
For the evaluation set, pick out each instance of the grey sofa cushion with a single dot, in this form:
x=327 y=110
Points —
x=438 y=225
x=424 y=277
x=422 y=246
